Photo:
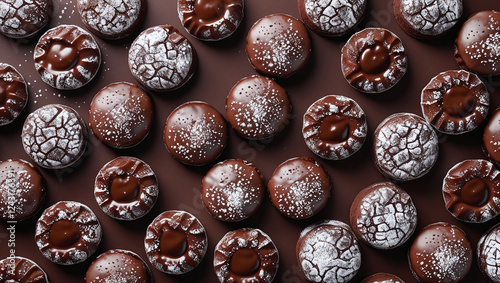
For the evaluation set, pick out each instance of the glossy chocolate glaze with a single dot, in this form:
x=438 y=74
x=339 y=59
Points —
x=222 y=64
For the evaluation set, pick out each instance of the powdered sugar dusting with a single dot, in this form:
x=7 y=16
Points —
x=487 y=51
x=258 y=107
x=161 y=58
x=387 y=216
x=329 y=252
x=54 y=136
x=110 y=17
x=405 y=146
x=278 y=45
x=488 y=254
x=232 y=190
x=89 y=229
x=23 y=270
x=431 y=17
x=335 y=17
x=22 y=18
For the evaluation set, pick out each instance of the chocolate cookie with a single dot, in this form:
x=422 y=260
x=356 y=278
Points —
x=299 y=188
x=210 y=19
x=112 y=19
x=427 y=19
x=405 y=147
x=246 y=255
x=328 y=252
x=383 y=216
x=373 y=60
x=121 y=115
x=20 y=269
x=331 y=17
x=488 y=249
x=233 y=190
x=455 y=102
x=22 y=190
x=24 y=18
x=162 y=59
x=440 y=253
x=195 y=133
x=176 y=242
x=278 y=45
x=477 y=44
x=257 y=107
x=471 y=191
x=54 y=136
x=491 y=138
x=13 y=94
x=68 y=232
x=126 y=188
x=382 y=278
x=67 y=57
x=334 y=127
x=118 y=266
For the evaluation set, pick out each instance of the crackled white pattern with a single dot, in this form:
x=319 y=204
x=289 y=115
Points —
x=54 y=136
x=488 y=254
x=161 y=58
x=431 y=17
x=387 y=217
x=22 y=18
x=110 y=17
x=405 y=146
x=329 y=253
x=335 y=16
x=89 y=227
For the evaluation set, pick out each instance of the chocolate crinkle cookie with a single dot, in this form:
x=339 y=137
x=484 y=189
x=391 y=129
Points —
x=331 y=17
x=328 y=252
x=54 y=136
x=405 y=147
x=427 y=19
x=112 y=19
x=162 y=59
x=24 y=18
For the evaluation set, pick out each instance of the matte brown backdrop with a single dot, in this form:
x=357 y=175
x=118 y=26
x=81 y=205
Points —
x=221 y=65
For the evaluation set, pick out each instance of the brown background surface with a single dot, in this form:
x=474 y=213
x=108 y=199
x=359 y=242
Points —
x=221 y=65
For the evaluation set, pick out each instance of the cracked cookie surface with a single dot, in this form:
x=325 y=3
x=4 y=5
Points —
x=331 y=17
x=427 y=19
x=54 y=136
x=328 y=252
x=23 y=18
x=405 y=147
